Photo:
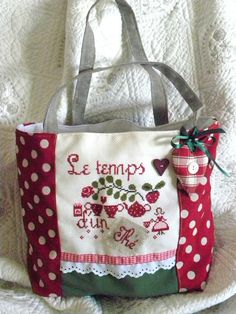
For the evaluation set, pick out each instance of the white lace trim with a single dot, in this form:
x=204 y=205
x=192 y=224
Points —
x=118 y=271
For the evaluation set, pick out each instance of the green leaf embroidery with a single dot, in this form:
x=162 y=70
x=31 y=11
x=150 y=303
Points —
x=118 y=182
x=95 y=184
x=132 y=198
x=102 y=181
x=117 y=195
x=109 y=179
x=95 y=197
x=160 y=185
x=147 y=187
x=110 y=191
x=132 y=187
x=124 y=197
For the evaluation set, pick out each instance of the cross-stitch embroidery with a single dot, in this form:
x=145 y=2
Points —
x=97 y=211
x=128 y=170
x=91 y=222
x=160 y=224
x=78 y=211
x=73 y=159
x=137 y=210
x=153 y=193
x=114 y=187
x=124 y=237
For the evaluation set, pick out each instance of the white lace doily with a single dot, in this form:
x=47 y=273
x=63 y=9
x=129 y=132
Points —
x=117 y=271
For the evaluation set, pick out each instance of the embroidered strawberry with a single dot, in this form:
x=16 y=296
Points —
x=152 y=197
x=153 y=191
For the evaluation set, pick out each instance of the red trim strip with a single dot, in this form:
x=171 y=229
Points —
x=116 y=260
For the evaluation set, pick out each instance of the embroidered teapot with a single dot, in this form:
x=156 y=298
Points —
x=137 y=209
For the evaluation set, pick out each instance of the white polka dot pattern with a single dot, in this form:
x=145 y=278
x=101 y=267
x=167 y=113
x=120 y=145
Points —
x=25 y=163
x=52 y=254
x=196 y=237
x=22 y=140
x=51 y=233
x=194 y=231
x=46 y=190
x=179 y=265
x=182 y=240
x=42 y=240
x=34 y=154
x=188 y=249
x=22 y=212
x=46 y=167
x=36 y=199
x=52 y=276
x=34 y=177
x=31 y=226
x=39 y=262
x=40 y=219
x=191 y=275
x=49 y=212
x=184 y=213
x=194 y=197
x=44 y=143
x=41 y=284
x=35 y=159
x=196 y=258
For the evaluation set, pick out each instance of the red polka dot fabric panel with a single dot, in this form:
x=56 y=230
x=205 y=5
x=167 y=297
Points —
x=36 y=163
x=196 y=239
x=36 y=173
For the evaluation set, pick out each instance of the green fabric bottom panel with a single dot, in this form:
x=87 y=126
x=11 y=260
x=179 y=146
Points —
x=160 y=283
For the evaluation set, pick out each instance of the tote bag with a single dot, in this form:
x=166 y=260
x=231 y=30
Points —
x=114 y=208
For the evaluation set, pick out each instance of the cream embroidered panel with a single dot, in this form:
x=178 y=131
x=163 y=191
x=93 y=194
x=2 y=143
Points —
x=113 y=205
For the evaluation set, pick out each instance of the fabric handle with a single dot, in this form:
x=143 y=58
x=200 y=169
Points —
x=87 y=59
x=51 y=124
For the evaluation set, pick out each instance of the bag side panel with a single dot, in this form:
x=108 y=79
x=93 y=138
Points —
x=196 y=236
x=36 y=174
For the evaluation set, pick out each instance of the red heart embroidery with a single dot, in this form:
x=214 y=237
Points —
x=103 y=199
x=146 y=224
x=161 y=165
x=190 y=167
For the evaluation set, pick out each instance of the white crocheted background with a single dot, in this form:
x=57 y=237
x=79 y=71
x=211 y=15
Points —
x=40 y=49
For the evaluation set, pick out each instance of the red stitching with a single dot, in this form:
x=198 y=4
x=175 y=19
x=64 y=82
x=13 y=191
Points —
x=120 y=169
x=72 y=160
x=123 y=236
x=135 y=170
x=77 y=209
x=99 y=223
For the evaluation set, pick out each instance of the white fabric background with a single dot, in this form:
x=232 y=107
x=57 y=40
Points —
x=40 y=48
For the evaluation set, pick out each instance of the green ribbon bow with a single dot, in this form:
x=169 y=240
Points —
x=194 y=141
